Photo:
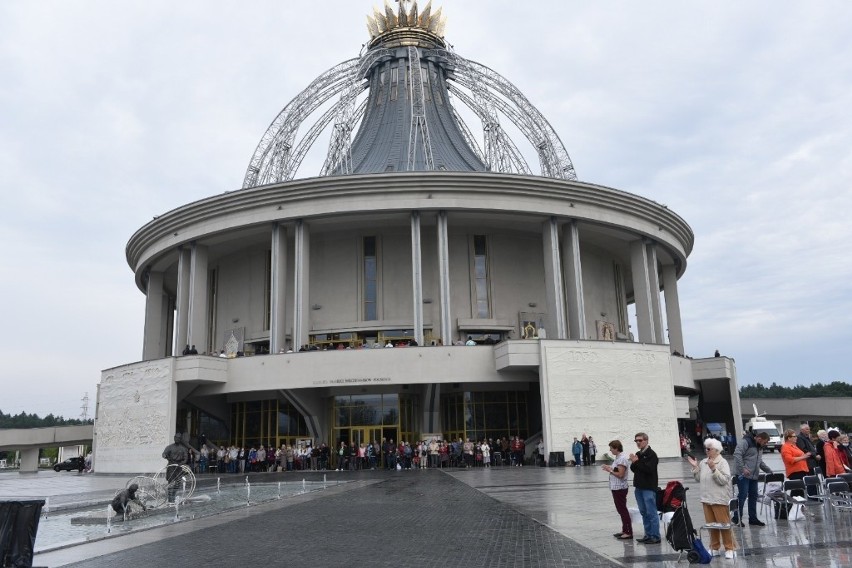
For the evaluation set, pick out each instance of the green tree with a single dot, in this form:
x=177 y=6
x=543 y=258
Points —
x=816 y=390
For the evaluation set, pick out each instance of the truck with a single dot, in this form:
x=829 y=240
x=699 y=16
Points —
x=759 y=423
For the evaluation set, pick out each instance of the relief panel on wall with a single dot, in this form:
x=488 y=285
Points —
x=135 y=417
x=608 y=391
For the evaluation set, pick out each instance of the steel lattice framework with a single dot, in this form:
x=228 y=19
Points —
x=484 y=91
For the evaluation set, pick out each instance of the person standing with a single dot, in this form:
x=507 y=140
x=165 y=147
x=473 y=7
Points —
x=804 y=443
x=748 y=459
x=619 y=486
x=584 y=442
x=593 y=449
x=795 y=460
x=833 y=463
x=644 y=464
x=714 y=475
x=577 y=450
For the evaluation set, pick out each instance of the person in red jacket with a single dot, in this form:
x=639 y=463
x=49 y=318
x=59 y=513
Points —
x=517 y=451
x=833 y=463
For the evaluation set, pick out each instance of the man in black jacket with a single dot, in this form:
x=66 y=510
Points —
x=804 y=443
x=644 y=467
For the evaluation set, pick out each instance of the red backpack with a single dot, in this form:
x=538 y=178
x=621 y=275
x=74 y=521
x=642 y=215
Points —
x=672 y=496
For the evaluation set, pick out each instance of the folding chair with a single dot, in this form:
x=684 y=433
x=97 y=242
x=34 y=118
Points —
x=819 y=492
x=784 y=498
x=767 y=479
x=733 y=507
x=838 y=494
x=847 y=477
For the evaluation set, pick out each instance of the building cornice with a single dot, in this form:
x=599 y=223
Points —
x=324 y=197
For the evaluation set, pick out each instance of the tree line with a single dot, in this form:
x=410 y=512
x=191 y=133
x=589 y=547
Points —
x=24 y=420
x=816 y=390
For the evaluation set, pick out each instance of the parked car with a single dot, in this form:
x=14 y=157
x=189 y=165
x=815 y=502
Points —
x=71 y=464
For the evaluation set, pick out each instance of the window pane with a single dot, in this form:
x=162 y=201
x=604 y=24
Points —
x=369 y=246
x=479 y=266
x=479 y=245
x=370 y=311
x=390 y=399
x=481 y=289
x=482 y=309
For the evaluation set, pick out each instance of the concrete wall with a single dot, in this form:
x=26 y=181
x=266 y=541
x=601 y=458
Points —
x=335 y=279
x=517 y=275
x=599 y=293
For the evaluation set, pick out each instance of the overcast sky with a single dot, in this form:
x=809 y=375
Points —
x=737 y=116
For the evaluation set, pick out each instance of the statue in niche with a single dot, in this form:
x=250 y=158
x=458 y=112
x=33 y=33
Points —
x=606 y=331
x=529 y=330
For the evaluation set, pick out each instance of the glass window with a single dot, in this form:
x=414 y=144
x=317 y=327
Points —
x=478 y=415
x=480 y=276
x=370 y=279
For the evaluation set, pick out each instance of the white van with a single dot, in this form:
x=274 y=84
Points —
x=760 y=424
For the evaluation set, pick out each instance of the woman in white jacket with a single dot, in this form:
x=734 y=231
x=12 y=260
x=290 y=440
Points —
x=714 y=475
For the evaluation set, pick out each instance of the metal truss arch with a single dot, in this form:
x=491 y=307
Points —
x=267 y=164
x=487 y=94
x=554 y=158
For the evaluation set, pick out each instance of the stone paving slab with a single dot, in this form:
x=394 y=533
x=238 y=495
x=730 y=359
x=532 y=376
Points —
x=482 y=517
x=411 y=518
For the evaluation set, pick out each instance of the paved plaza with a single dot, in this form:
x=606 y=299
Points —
x=483 y=517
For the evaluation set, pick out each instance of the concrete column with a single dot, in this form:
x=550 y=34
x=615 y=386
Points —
x=573 y=275
x=182 y=300
x=301 y=295
x=154 y=342
x=654 y=286
x=29 y=461
x=556 y=326
x=642 y=292
x=278 y=290
x=444 y=278
x=169 y=324
x=198 y=324
x=431 y=397
x=417 y=277
x=672 y=308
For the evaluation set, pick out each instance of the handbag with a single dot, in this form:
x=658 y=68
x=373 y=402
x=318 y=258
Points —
x=699 y=554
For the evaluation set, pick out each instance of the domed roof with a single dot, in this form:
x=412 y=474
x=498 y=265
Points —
x=399 y=98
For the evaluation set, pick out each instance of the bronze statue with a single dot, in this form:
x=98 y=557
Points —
x=125 y=497
x=177 y=456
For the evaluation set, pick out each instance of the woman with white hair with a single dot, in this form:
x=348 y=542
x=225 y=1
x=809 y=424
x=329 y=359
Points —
x=714 y=475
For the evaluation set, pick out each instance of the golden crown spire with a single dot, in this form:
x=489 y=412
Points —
x=406 y=26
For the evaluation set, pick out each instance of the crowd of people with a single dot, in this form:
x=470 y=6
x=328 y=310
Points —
x=386 y=454
x=351 y=345
x=828 y=454
x=584 y=450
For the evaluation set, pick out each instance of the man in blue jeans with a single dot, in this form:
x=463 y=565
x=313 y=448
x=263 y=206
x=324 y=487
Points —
x=643 y=464
x=748 y=463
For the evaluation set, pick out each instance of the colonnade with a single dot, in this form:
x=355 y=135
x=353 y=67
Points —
x=563 y=286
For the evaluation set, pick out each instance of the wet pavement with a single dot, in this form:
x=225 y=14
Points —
x=508 y=516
